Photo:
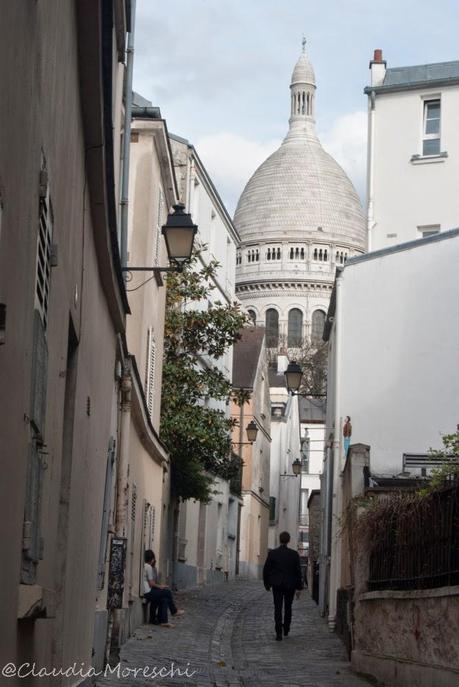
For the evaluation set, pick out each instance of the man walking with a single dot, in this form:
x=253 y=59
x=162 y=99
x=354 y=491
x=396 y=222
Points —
x=282 y=573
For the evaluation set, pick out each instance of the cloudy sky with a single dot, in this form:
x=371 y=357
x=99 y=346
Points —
x=220 y=71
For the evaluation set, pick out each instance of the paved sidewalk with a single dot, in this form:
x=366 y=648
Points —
x=226 y=639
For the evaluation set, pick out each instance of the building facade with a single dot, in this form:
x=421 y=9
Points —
x=250 y=375
x=205 y=536
x=398 y=381
x=299 y=218
x=413 y=145
x=63 y=293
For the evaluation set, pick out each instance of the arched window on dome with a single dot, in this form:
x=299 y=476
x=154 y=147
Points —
x=253 y=315
x=302 y=253
x=297 y=253
x=308 y=108
x=302 y=102
x=272 y=328
x=320 y=254
x=257 y=255
x=268 y=254
x=325 y=255
x=295 y=328
x=278 y=253
x=315 y=253
x=317 y=325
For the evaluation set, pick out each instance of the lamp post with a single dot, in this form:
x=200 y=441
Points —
x=179 y=232
x=293 y=376
x=252 y=431
x=296 y=468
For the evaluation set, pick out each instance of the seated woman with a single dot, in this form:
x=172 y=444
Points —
x=159 y=594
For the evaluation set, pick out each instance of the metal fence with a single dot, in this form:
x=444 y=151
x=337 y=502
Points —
x=418 y=546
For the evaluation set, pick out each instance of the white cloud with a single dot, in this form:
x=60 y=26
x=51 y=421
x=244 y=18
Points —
x=231 y=160
x=346 y=141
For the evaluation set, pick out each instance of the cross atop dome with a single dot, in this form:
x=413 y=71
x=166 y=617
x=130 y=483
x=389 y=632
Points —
x=303 y=44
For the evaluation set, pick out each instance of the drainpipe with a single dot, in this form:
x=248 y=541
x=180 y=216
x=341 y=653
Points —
x=370 y=167
x=127 y=138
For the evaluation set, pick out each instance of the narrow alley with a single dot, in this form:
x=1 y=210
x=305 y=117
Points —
x=226 y=639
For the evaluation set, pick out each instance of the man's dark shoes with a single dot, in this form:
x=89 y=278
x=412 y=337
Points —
x=278 y=638
x=286 y=632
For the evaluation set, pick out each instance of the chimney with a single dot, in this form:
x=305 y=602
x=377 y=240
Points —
x=377 y=68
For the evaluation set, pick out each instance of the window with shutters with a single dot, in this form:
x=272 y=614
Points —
x=44 y=250
x=159 y=214
x=106 y=513
x=150 y=371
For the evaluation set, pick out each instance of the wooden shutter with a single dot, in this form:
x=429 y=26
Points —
x=106 y=513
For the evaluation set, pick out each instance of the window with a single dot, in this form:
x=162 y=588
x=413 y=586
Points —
x=429 y=230
x=318 y=322
x=272 y=509
x=272 y=328
x=431 y=132
x=295 y=327
x=273 y=254
x=150 y=370
x=253 y=316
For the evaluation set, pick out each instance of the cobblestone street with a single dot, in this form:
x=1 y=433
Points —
x=227 y=637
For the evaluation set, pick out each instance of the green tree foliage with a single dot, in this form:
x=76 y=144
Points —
x=450 y=468
x=198 y=332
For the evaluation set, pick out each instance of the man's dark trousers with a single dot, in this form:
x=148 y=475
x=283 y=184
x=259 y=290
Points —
x=283 y=596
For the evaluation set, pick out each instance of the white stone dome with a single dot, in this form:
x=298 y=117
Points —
x=300 y=191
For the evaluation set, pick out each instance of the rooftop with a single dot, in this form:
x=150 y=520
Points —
x=417 y=76
x=246 y=354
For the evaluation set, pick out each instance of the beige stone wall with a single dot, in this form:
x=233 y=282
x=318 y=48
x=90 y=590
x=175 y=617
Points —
x=41 y=115
x=408 y=638
x=404 y=638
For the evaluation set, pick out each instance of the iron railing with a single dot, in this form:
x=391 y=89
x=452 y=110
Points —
x=418 y=545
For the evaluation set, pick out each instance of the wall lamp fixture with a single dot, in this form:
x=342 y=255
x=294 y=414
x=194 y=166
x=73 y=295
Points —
x=251 y=431
x=179 y=232
x=296 y=467
x=293 y=376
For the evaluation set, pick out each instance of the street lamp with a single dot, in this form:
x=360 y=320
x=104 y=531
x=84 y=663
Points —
x=293 y=376
x=179 y=232
x=296 y=467
x=251 y=430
